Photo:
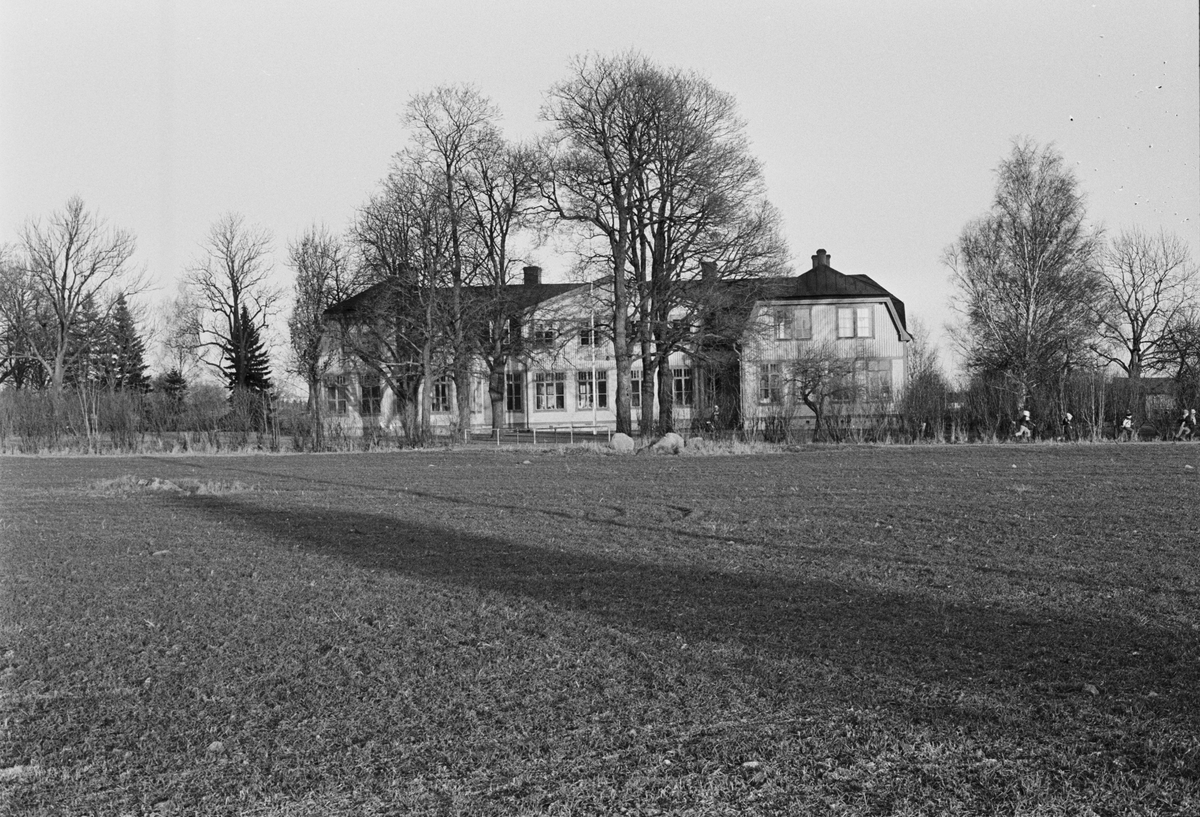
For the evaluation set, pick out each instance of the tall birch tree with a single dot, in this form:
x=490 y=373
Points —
x=1027 y=275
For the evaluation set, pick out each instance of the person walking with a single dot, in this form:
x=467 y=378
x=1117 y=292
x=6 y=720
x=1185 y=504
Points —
x=1126 y=432
x=1187 y=425
x=1068 y=430
x=1024 y=426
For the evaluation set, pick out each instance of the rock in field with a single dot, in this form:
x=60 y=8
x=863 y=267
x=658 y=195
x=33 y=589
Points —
x=671 y=443
x=622 y=443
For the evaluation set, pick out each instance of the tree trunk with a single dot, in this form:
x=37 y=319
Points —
x=496 y=385
x=666 y=396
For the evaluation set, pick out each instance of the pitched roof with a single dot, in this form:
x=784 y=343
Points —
x=823 y=281
x=522 y=296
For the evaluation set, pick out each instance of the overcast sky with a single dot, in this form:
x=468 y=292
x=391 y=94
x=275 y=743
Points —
x=879 y=124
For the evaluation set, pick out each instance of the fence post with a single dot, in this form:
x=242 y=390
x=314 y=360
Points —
x=535 y=435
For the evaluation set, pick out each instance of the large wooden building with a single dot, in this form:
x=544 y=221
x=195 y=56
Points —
x=563 y=372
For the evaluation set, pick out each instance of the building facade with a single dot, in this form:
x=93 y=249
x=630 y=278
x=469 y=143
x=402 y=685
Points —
x=562 y=373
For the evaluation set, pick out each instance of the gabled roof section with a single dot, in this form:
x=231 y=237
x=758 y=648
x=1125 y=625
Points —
x=823 y=281
x=521 y=296
x=525 y=296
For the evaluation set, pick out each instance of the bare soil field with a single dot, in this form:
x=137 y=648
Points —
x=869 y=630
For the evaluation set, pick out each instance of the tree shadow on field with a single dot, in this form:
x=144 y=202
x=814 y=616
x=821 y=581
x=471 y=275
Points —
x=860 y=631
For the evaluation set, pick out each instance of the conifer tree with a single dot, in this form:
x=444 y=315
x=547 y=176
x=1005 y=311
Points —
x=173 y=384
x=246 y=363
x=127 y=367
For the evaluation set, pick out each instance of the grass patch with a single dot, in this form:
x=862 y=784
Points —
x=983 y=630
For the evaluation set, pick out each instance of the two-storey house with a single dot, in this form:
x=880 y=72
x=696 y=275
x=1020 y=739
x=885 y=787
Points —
x=842 y=338
x=562 y=370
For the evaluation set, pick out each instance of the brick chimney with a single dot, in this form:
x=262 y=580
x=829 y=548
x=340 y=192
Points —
x=821 y=259
x=533 y=276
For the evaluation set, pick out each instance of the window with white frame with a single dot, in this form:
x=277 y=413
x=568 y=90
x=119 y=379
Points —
x=370 y=395
x=854 y=321
x=802 y=323
x=550 y=391
x=878 y=379
x=441 y=394
x=543 y=332
x=872 y=380
x=782 y=321
x=770 y=383
x=587 y=336
x=514 y=391
x=337 y=394
x=593 y=392
x=635 y=389
x=681 y=382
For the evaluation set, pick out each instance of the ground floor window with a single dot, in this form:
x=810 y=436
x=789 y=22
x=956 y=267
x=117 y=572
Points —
x=336 y=394
x=770 y=383
x=371 y=391
x=441 y=394
x=550 y=391
x=681 y=381
x=635 y=389
x=593 y=393
x=877 y=379
x=514 y=391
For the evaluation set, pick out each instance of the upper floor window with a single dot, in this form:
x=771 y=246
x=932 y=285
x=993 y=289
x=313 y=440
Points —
x=782 y=321
x=543 y=332
x=854 y=322
x=508 y=329
x=794 y=323
x=587 y=336
x=802 y=322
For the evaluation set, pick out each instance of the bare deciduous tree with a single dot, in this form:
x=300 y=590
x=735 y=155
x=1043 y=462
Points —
x=502 y=184
x=655 y=165
x=1181 y=348
x=72 y=261
x=701 y=217
x=321 y=264
x=1027 y=274
x=232 y=277
x=817 y=375
x=452 y=127
x=396 y=325
x=177 y=332
x=23 y=317
x=594 y=155
x=1149 y=283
